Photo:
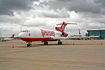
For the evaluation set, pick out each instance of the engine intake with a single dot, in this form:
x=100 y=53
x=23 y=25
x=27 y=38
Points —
x=64 y=34
x=56 y=28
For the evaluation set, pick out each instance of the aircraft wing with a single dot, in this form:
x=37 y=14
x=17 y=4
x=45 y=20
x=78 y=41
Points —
x=59 y=38
x=73 y=38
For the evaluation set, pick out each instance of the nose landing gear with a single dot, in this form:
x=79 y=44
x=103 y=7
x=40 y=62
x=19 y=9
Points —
x=29 y=44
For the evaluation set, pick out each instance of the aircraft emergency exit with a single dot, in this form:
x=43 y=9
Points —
x=38 y=34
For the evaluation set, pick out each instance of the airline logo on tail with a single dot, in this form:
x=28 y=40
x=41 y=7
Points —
x=62 y=28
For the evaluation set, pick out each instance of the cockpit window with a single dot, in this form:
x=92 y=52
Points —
x=24 y=31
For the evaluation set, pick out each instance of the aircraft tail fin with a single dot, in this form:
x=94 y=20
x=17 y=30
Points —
x=12 y=36
x=63 y=25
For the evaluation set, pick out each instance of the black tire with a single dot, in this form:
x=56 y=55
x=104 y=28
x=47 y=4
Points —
x=59 y=43
x=45 y=43
x=29 y=45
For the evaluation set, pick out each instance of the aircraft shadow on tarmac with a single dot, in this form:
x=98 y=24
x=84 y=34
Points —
x=41 y=45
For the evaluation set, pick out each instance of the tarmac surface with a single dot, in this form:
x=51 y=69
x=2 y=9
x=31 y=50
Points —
x=72 y=55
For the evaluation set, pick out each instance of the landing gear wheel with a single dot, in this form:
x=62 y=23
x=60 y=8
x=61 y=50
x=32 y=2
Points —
x=45 y=43
x=59 y=43
x=29 y=45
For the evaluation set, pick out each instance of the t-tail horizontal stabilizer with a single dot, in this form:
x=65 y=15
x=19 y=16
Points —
x=63 y=25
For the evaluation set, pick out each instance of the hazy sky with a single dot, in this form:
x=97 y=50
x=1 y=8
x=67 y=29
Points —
x=15 y=15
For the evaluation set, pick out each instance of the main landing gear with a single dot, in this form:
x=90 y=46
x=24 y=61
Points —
x=45 y=43
x=59 y=42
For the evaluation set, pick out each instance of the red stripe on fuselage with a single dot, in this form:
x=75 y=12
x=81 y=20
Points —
x=36 y=39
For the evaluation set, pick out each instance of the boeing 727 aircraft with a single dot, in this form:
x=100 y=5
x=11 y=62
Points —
x=38 y=34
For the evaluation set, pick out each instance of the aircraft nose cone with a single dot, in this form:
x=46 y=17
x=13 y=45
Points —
x=21 y=35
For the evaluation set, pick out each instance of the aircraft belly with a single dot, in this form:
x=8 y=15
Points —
x=37 y=39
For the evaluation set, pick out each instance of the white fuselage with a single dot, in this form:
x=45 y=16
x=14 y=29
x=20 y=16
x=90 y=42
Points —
x=37 y=34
